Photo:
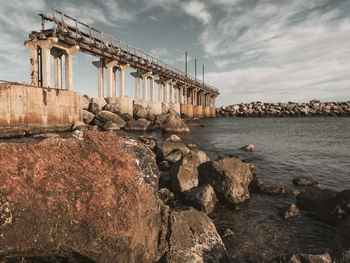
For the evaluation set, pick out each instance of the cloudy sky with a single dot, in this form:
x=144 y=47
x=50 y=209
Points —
x=269 y=50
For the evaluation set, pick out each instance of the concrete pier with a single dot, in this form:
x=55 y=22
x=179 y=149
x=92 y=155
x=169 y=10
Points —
x=197 y=111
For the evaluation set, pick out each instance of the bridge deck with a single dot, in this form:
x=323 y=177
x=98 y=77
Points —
x=90 y=40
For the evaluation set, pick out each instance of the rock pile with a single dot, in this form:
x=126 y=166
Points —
x=291 y=109
x=106 y=115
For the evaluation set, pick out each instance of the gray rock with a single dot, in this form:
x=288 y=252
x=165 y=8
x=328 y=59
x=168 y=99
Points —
x=166 y=195
x=174 y=124
x=202 y=198
x=199 y=156
x=194 y=238
x=125 y=116
x=249 y=148
x=174 y=157
x=164 y=166
x=151 y=114
x=302 y=181
x=110 y=126
x=46 y=135
x=289 y=211
x=230 y=179
x=97 y=104
x=165 y=108
x=184 y=174
x=137 y=125
x=160 y=119
x=87 y=117
x=174 y=138
x=103 y=116
x=112 y=107
x=164 y=148
x=140 y=112
x=228 y=233
x=85 y=102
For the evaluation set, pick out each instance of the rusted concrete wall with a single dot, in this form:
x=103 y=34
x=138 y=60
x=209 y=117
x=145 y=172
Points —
x=26 y=108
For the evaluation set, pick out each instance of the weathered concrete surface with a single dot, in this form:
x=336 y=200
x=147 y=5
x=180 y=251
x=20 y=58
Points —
x=206 y=112
x=156 y=107
x=95 y=197
x=126 y=105
x=212 y=112
x=197 y=111
x=175 y=107
x=22 y=107
x=190 y=110
x=183 y=109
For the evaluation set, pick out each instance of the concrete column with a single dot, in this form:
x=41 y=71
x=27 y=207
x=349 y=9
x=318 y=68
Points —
x=114 y=81
x=152 y=89
x=34 y=66
x=176 y=93
x=181 y=95
x=137 y=87
x=144 y=87
x=171 y=92
x=165 y=92
x=159 y=91
x=69 y=66
x=58 y=71
x=46 y=63
x=122 y=69
x=111 y=78
x=99 y=65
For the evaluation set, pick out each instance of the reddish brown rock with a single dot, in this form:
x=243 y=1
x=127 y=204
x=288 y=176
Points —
x=94 y=197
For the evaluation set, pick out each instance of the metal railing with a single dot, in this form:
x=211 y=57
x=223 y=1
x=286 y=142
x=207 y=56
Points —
x=71 y=26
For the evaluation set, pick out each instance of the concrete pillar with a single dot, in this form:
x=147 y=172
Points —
x=34 y=66
x=46 y=63
x=137 y=87
x=159 y=91
x=111 y=78
x=165 y=93
x=182 y=95
x=122 y=69
x=144 y=87
x=171 y=92
x=114 y=81
x=152 y=89
x=100 y=66
x=69 y=66
x=57 y=68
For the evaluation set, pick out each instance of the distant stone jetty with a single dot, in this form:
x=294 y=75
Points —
x=314 y=108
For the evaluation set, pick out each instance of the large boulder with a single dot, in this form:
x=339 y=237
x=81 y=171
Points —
x=97 y=104
x=103 y=116
x=202 y=198
x=168 y=146
x=194 y=238
x=199 y=156
x=230 y=178
x=93 y=200
x=160 y=119
x=137 y=125
x=112 y=107
x=140 y=112
x=165 y=108
x=174 y=124
x=87 y=117
x=328 y=206
x=304 y=258
x=85 y=102
x=184 y=174
x=151 y=114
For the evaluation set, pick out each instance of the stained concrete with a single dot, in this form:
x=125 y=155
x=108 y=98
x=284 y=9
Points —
x=212 y=112
x=206 y=112
x=24 y=109
x=175 y=107
x=197 y=111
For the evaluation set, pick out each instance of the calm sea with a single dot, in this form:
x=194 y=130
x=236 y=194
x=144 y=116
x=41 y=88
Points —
x=285 y=148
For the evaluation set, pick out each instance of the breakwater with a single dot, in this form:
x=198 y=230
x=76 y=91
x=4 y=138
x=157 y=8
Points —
x=291 y=109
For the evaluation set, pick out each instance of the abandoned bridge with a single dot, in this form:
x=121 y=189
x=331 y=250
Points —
x=62 y=35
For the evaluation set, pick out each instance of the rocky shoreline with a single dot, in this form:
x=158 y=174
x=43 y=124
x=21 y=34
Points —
x=314 y=108
x=97 y=197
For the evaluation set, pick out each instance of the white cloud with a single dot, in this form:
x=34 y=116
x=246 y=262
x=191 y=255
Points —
x=159 y=51
x=197 y=10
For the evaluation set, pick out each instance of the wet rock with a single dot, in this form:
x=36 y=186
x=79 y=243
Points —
x=160 y=119
x=230 y=179
x=257 y=185
x=95 y=197
x=112 y=107
x=110 y=126
x=328 y=206
x=140 y=112
x=202 y=198
x=252 y=168
x=194 y=238
x=87 y=117
x=46 y=135
x=249 y=148
x=289 y=211
x=85 y=102
x=166 y=147
x=199 y=156
x=174 y=157
x=149 y=141
x=165 y=108
x=174 y=138
x=166 y=195
x=96 y=105
x=174 y=124
x=304 y=258
x=137 y=125
x=228 y=233
x=103 y=116
x=125 y=116
x=302 y=181
x=184 y=174
x=280 y=190
x=221 y=156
